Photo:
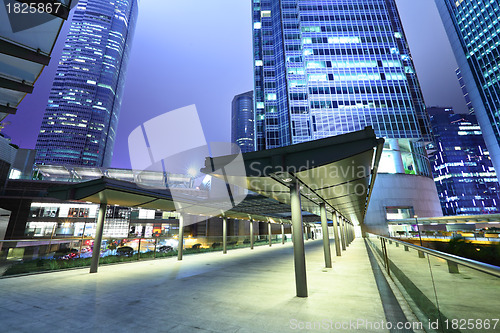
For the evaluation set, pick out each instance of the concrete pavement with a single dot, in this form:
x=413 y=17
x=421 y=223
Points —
x=242 y=291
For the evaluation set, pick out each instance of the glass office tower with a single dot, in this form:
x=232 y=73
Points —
x=325 y=68
x=473 y=28
x=242 y=121
x=463 y=172
x=79 y=124
x=461 y=82
x=328 y=67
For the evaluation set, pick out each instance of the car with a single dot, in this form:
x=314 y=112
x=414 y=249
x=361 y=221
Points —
x=65 y=253
x=165 y=249
x=125 y=251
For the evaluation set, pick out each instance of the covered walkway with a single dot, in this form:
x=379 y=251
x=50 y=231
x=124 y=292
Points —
x=243 y=291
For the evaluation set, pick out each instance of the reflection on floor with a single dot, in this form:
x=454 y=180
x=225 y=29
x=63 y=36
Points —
x=242 y=291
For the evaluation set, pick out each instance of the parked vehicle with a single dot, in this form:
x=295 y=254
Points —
x=165 y=249
x=65 y=253
x=125 y=251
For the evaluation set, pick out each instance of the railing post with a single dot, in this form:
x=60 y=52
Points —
x=386 y=257
x=421 y=254
x=407 y=248
x=282 y=233
x=251 y=234
x=269 y=232
x=180 y=246
x=156 y=244
x=224 y=234
x=139 y=250
x=452 y=267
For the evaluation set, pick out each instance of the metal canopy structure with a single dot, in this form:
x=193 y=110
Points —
x=338 y=171
x=296 y=182
x=127 y=194
x=27 y=38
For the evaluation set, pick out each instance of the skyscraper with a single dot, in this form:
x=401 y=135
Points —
x=79 y=124
x=328 y=67
x=461 y=82
x=463 y=172
x=242 y=122
x=473 y=28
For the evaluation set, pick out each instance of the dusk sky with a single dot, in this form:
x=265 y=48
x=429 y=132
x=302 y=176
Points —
x=200 y=52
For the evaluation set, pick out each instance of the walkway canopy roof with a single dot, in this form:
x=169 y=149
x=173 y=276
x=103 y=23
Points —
x=26 y=42
x=338 y=170
x=127 y=194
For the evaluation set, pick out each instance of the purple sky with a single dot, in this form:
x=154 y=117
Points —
x=200 y=52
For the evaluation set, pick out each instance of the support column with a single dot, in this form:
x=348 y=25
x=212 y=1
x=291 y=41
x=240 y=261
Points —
x=224 y=234
x=395 y=151
x=342 y=232
x=335 y=220
x=251 y=234
x=298 y=242
x=180 y=247
x=347 y=233
x=282 y=233
x=96 y=250
x=346 y=230
x=326 y=239
x=350 y=233
x=269 y=233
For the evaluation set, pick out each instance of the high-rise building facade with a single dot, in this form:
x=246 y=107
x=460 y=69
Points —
x=329 y=67
x=80 y=121
x=473 y=28
x=465 y=179
x=242 y=121
x=465 y=92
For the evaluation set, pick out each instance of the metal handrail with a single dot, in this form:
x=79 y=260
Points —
x=477 y=265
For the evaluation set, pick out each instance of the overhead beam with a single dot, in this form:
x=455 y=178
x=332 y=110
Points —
x=23 y=52
x=56 y=8
x=15 y=85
